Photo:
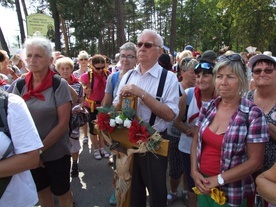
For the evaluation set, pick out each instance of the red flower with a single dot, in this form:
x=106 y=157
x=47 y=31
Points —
x=103 y=122
x=137 y=132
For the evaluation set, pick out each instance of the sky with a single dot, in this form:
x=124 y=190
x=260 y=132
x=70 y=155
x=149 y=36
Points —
x=9 y=25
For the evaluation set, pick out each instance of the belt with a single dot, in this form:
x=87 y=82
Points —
x=92 y=103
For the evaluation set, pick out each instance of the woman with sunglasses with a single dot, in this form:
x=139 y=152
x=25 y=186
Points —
x=263 y=69
x=229 y=140
x=189 y=106
x=83 y=68
x=94 y=83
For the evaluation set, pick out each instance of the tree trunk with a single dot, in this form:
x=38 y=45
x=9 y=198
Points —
x=3 y=42
x=121 y=38
x=20 y=21
x=24 y=8
x=173 y=27
x=55 y=15
x=64 y=31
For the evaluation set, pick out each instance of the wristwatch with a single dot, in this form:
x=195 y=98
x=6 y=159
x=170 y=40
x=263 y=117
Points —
x=220 y=180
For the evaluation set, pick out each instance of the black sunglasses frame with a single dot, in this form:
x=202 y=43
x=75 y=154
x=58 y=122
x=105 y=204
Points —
x=99 y=68
x=147 y=45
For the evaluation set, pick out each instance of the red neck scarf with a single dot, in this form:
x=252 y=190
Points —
x=73 y=80
x=46 y=83
x=2 y=82
x=101 y=83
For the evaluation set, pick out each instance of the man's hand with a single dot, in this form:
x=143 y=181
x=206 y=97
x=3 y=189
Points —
x=131 y=90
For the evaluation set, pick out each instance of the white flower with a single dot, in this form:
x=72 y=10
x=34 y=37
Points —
x=127 y=123
x=118 y=120
x=112 y=122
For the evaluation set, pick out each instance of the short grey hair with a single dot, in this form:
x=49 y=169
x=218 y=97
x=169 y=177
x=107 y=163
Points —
x=158 y=39
x=64 y=61
x=188 y=63
x=238 y=68
x=39 y=42
x=129 y=46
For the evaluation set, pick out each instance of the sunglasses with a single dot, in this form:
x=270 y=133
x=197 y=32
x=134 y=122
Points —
x=205 y=66
x=232 y=57
x=127 y=57
x=99 y=68
x=83 y=59
x=146 y=44
x=259 y=71
x=187 y=59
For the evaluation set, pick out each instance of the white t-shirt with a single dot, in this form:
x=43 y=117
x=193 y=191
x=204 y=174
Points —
x=185 y=141
x=21 y=190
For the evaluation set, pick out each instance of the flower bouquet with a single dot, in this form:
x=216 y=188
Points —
x=125 y=127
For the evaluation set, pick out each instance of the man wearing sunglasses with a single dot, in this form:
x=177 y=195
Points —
x=149 y=170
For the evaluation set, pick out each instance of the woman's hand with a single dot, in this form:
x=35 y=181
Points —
x=212 y=182
x=87 y=91
x=191 y=131
x=201 y=183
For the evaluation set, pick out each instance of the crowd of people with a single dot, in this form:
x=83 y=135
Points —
x=217 y=109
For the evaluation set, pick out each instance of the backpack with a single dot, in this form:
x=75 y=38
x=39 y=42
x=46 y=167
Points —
x=56 y=82
x=115 y=78
x=79 y=119
x=4 y=182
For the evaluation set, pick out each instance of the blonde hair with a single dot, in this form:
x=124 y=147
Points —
x=188 y=63
x=185 y=54
x=238 y=68
x=64 y=61
x=83 y=54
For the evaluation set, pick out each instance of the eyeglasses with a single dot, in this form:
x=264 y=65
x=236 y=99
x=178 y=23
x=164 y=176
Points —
x=205 y=66
x=259 y=71
x=83 y=59
x=146 y=44
x=99 y=68
x=127 y=57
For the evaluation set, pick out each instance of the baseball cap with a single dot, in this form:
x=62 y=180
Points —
x=189 y=47
x=208 y=56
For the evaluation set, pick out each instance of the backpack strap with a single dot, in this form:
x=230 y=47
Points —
x=190 y=95
x=4 y=182
x=20 y=84
x=115 y=78
x=91 y=78
x=159 y=93
x=56 y=82
x=129 y=76
x=181 y=90
x=3 y=113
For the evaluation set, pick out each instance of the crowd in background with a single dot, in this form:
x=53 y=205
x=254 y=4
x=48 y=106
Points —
x=222 y=132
